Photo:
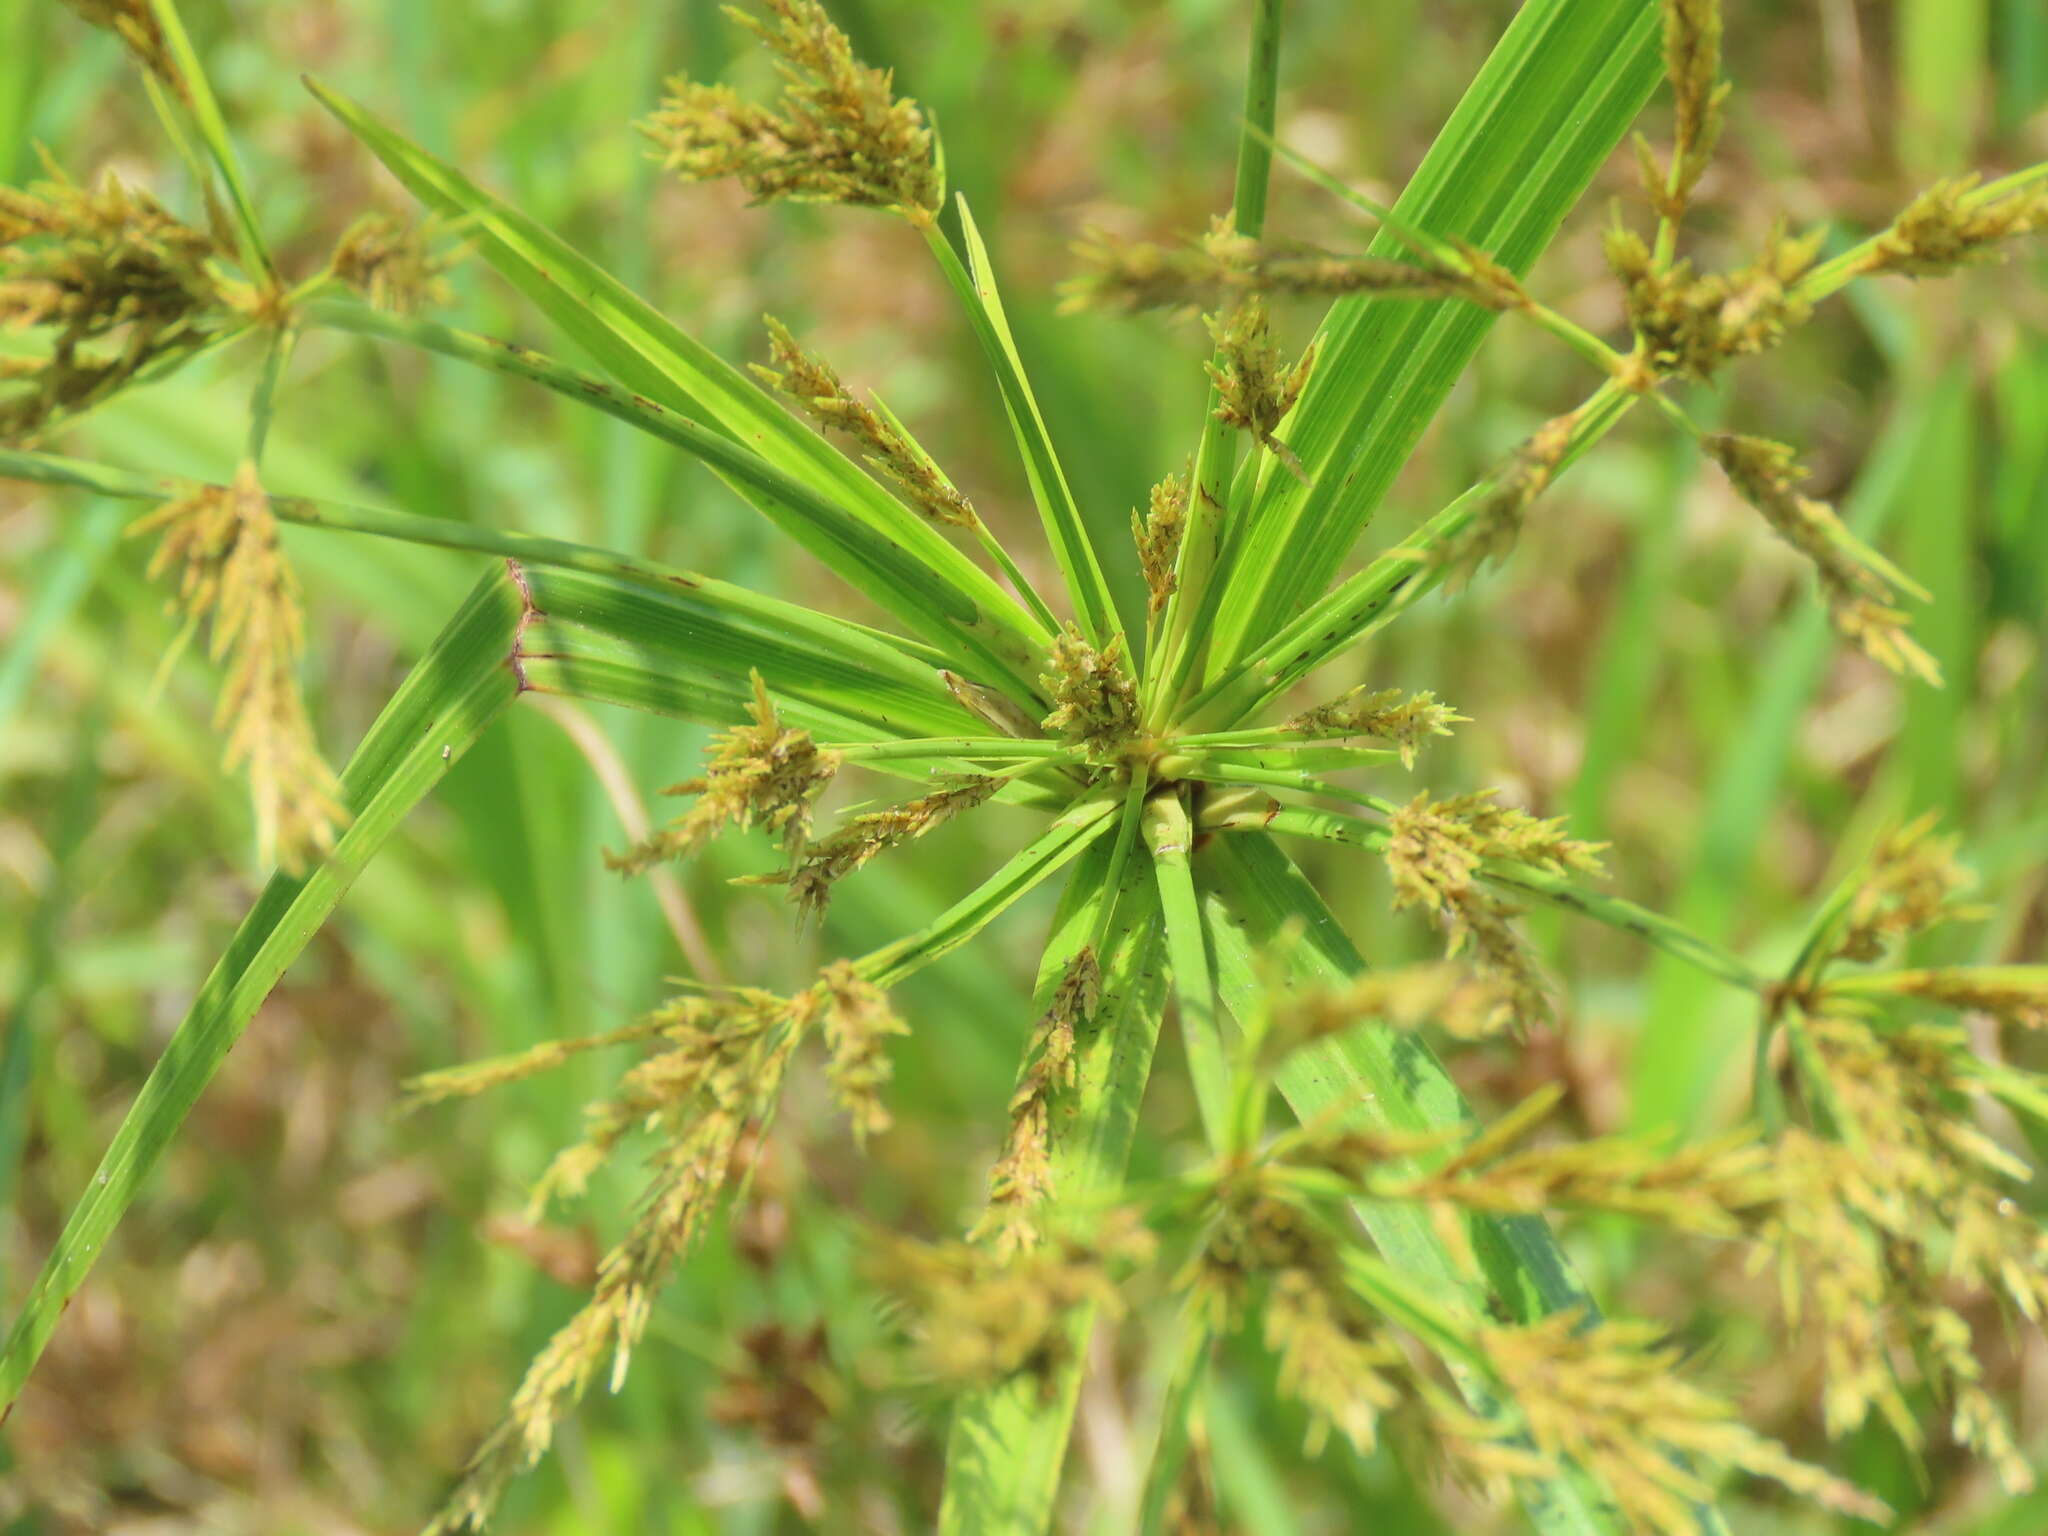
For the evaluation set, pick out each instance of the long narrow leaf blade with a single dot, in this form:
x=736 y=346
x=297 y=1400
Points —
x=1007 y=1444
x=648 y=354
x=1257 y=899
x=1065 y=530
x=1551 y=103
x=458 y=687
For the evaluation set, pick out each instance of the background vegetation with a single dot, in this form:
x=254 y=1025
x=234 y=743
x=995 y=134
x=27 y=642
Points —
x=318 y=1311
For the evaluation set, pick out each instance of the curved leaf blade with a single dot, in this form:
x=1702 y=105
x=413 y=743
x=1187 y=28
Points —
x=645 y=352
x=1550 y=104
x=452 y=694
x=1008 y=1442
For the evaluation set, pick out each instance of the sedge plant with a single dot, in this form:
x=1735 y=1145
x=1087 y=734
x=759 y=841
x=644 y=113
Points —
x=1395 y=1256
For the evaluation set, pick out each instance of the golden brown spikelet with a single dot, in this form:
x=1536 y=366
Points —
x=391 y=264
x=1406 y=720
x=221 y=544
x=1435 y=854
x=838 y=134
x=1608 y=1397
x=1157 y=535
x=1095 y=702
x=757 y=772
x=110 y=282
x=1022 y=1176
x=1857 y=587
x=818 y=390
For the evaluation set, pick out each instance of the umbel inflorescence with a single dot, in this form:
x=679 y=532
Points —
x=1363 y=1244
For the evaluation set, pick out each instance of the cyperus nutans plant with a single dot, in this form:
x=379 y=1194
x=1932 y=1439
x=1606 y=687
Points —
x=1393 y=1255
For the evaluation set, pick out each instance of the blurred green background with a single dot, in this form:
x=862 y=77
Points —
x=318 y=1309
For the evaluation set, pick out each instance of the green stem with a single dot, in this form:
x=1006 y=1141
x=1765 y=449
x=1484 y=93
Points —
x=1552 y=890
x=263 y=403
x=1388 y=586
x=213 y=130
x=1170 y=837
x=1200 y=556
x=1177 y=1413
x=1087 y=588
x=948 y=746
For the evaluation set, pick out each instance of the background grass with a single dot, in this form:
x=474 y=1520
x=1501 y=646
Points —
x=319 y=1309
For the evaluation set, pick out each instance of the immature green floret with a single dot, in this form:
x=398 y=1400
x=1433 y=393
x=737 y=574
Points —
x=839 y=134
x=1946 y=227
x=1095 y=702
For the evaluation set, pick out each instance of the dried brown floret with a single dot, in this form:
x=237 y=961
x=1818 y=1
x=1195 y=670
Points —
x=1692 y=323
x=115 y=284
x=1158 y=535
x=838 y=134
x=221 y=541
x=1385 y=713
x=1607 y=1397
x=391 y=264
x=754 y=772
x=817 y=388
x=1857 y=585
x=1946 y=227
x=1095 y=703
x=1254 y=388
